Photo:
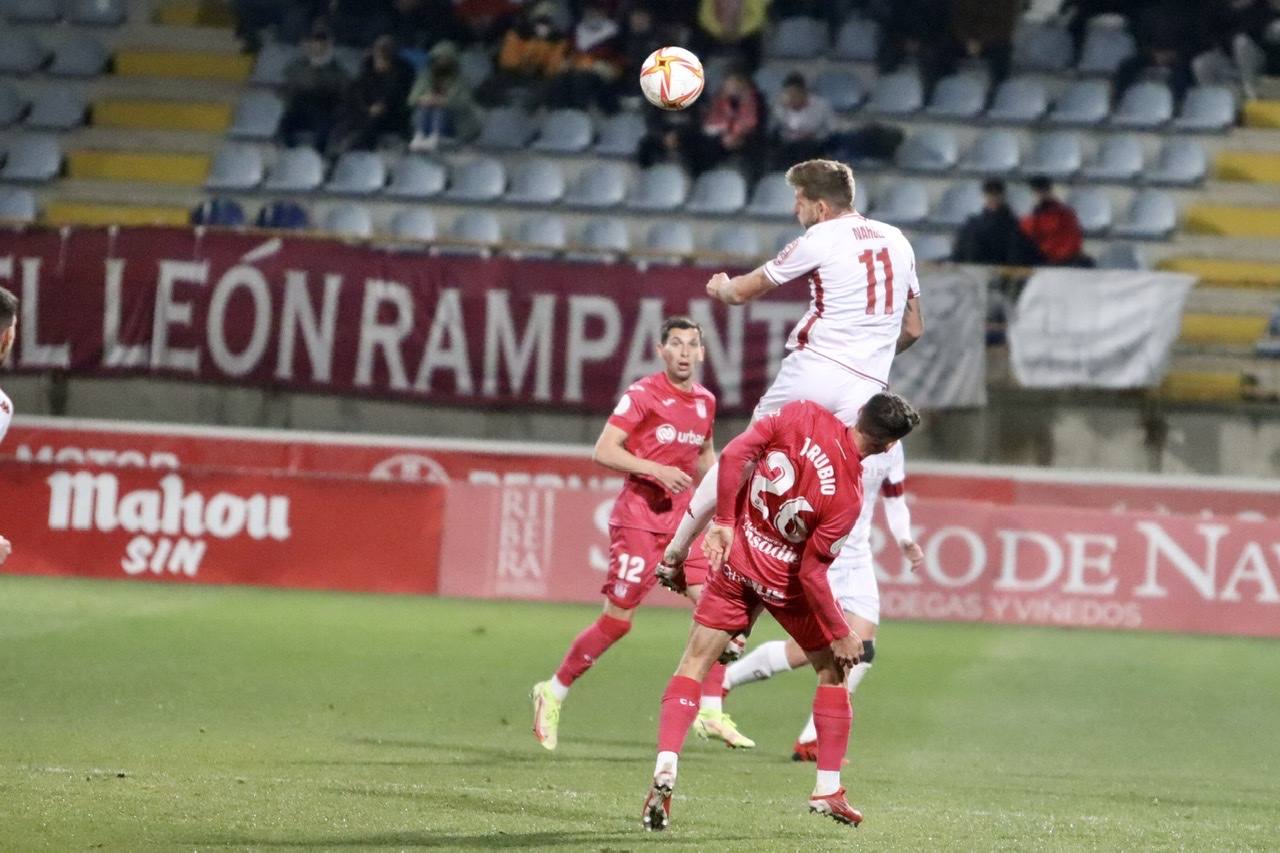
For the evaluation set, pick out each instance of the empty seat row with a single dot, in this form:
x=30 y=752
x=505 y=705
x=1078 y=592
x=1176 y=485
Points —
x=100 y=13
x=1060 y=155
x=17 y=205
x=80 y=55
x=31 y=158
x=54 y=108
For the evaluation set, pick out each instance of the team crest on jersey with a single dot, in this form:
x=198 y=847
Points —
x=700 y=407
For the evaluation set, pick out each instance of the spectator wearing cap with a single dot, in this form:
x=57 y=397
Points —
x=1054 y=227
x=800 y=123
x=992 y=235
x=313 y=84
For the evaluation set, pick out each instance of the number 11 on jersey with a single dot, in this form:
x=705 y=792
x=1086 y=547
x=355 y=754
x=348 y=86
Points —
x=869 y=259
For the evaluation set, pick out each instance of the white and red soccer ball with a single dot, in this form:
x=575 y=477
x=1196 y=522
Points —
x=671 y=78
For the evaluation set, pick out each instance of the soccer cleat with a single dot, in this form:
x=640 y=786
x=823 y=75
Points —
x=733 y=651
x=836 y=807
x=546 y=715
x=805 y=750
x=657 y=803
x=717 y=724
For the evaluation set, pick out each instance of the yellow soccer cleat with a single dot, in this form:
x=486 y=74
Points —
x=546 y=715
x=717 y=724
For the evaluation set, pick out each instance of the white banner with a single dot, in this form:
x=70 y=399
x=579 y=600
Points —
x=947 y=367
x=1078 y=328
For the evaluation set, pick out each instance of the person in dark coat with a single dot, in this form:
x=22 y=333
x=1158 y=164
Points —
x=992 y=235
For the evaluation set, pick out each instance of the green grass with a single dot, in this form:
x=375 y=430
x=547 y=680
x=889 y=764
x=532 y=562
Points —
x=144 y=716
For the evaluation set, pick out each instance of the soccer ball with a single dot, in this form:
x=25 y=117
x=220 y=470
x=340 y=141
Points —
x=671 y=78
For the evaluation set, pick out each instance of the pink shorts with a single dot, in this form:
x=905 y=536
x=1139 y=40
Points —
x=633 y=557
x=731 y=601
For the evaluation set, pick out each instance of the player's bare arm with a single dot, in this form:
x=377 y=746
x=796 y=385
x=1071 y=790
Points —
x=706 y=458
x=740 y=288
x=611 y=452
x=717 y=542
x=912 y=324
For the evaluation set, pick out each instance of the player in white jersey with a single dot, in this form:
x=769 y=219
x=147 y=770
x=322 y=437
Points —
x=8 y=333
x=853 y=583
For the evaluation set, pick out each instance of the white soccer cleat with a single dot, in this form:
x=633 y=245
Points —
x=546 y=715
x=657 y=803
x=717 y=724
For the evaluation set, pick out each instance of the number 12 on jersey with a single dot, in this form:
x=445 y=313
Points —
x=868 y=259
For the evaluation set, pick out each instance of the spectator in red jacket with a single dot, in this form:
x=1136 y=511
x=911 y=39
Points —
x=1053 y=226
x=732 y=124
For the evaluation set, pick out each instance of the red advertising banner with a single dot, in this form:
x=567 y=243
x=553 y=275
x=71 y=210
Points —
x=321 y=315
x=209 y=526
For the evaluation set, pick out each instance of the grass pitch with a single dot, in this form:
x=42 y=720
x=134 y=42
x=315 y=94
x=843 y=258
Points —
x=139 y=716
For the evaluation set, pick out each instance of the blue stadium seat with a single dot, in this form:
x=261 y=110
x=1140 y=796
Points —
x=1019 y=100
x=283 y=215
x=740 y=242
x=842 y=89
x=1153 y=215
x=417 y=178
x=349 y=220
x=1105 y=49
x=480 y=180
x=1122 y=256
x=959 y=201
x=786 y=238
x=857 y=41
x=221 y=212
x=773 y=197
x=32 y=11
x=20 y=52
x=295 y=170
x=506 y=129
x=599 y=185
x=235 y=167
x=12 y=105
x=898 y=94
x=718 y=192
x=96 y=13
x=539 y=182
x=931 y=248
x=620 y=135
x=358 y=173
x=995 y=152
x=659 y=188
x=958 y=96
x=861 y=197
x=671 y=239
x=413 y=223
x=17 y=205
x=1207 y=109
x=257 y=116
x=1083 y=102
x=81 y=55
x=475 y=65
x=564 y=132
x=1057 y=155
x=541 y=236
x=1093 y=208
x=601 y=240
x=57 y=108
x=930 y=149
x=1042 y=47
x=33 y=159
x=798 y=38
x=905 y=203
x=1118 y=159
x=480 y=228
x=1144 y=106
x=768 y=79
x=273 y=58
x=1181 y=162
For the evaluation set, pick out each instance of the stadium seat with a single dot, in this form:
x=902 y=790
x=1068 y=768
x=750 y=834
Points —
x=1207 y=109
x=541 y=237
x=1118 y=159
x=1143 y=106
x=480 y=180
x=898 y=94
x=904 y=203
x=12 y=105
x=598 y=186
x=738 y=241
x=930 y=149
x=417 y=178
x=32 y=158
x=772 y=198
x=995 y=152
x=81 y=55
x=1019 y=100
x=1122 y=256
x=477 y=227
x=620 y=135
x=283 y=215
x=272 y=59
x=1181 y=162
x=857 y=41
x=798 y=38
x=842 y=89
x=1093 y=209
x=958 y=96
x=1153 y=215
x=959 y=201
x=672 y=238
x=1105 y=48
x=32 y=11
x=222 y=212
x=602 y=240
x=564 y=132
x=1020 y=199
x=349 y=220
x=861 y=197
x=295 y=170
x=539 y=182
x=1042 y=47
x=96 y=13
x=506 y=129
x=413 y=223
x=20 y=52
x=1083 y=102
x=235 y=167
x=768 y=79
x=57 y=108
x=257 y=116
x=718 y=192
x=1057 y=155
x=17 y=205
x=931 y=248
x=659 y=188
x=474 y=66
x=358 y=173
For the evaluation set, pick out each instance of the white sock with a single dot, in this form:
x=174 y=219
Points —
x=558 y=689
x=701 y=508
x=764 y=661
x=828 y=782
x=669 y=761
x=810 y=732
x=711 y=703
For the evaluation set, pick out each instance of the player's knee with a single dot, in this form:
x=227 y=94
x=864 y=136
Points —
x=868 y=651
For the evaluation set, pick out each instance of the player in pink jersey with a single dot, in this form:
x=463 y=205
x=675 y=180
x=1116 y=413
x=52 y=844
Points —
x=790 y=491
x=8 y=333
x=659 y=435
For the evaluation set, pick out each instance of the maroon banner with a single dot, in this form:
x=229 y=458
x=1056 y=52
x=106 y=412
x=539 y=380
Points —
x=322 y=315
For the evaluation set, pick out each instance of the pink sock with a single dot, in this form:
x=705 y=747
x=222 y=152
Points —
x=832 y=716
x=679 y=709
x=713 y=684
x=588 y=646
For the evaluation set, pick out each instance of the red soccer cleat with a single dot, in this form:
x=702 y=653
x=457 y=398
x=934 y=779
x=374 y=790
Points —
x=836 y=807
x=657 y=804
x=805 y=750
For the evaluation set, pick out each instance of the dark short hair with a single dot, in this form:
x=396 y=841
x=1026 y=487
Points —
x=8 y=308
x=887 y=417
x=993 y=186
x=678 y=321
x=823 y=180
x=1040 y=183
x=795 y=78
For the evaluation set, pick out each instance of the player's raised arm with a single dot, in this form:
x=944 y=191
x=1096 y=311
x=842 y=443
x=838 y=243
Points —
x=736 y=461
x=611 y=452
x=740 y=288
x=912 y=324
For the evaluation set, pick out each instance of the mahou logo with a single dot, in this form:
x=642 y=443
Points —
x=171 y=523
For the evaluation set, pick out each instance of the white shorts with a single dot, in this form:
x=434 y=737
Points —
x=853 y=583
x=805 y=375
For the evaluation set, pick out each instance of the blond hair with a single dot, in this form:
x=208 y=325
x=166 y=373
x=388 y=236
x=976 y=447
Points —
x=823 y=180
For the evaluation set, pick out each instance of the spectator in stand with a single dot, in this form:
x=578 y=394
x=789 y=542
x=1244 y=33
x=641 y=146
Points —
x=443 y=110
x=1054 y=228
x=286 y=19
x=640 y=37
x=732 y=26
x=733 y=123
x=313 y=84
x=483 y=20
x=801 y=123
x=671 y=137
x=376 y=102
x=914 y=38
x=983 y=31
x=992 y=235
x=1168 y=33
x=594 y=67
x=1243 y=45
x=533 y=53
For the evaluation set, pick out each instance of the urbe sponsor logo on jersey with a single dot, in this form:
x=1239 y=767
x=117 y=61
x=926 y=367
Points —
x=666 y=433
x=410 y=468
x=171 y=522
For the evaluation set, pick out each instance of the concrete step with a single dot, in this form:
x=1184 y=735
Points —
x=138 y=166
x=184 y=141
x=1252 y=166
x=1228 y=273
x=1232 y=221
x=149 y=114
x=91 y=213
x=195 y=13
x=105 y=191
x=1222 y=329
x=198 y=65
